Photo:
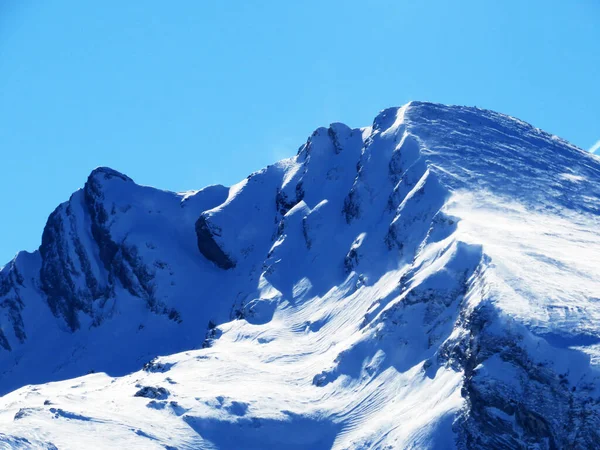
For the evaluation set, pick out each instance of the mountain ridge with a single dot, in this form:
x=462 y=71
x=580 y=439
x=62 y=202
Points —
x=440 y=249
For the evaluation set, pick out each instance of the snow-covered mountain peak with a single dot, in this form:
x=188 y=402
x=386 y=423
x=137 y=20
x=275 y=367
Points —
x=107 y=173
x=429 y=281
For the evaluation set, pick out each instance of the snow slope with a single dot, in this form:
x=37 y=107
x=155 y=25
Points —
x=431 y=281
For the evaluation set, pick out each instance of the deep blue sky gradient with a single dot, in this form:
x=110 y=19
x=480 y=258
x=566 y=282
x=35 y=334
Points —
x=184 y=94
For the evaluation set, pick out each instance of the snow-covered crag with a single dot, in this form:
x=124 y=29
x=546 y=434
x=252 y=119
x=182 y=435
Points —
x=431 y=281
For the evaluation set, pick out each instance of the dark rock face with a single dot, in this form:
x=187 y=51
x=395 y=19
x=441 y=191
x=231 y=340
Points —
x=11 y=282
x=59 y=274
x=335 y=139
x=159 y=393
x=209 y=247
x=4 y=341
x=120 y=259
x=283 y=204
x=351 y=209
x=155 y=366
x=532 y=405
x=93 y=201
x=66 y=275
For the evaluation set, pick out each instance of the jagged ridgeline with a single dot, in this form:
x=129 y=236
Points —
x=430 y=281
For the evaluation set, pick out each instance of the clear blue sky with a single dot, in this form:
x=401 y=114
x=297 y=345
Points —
x=184 y=94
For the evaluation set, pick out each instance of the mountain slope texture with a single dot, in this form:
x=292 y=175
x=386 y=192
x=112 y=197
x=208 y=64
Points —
x=429 y=282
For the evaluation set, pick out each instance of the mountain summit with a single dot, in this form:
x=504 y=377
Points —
x=430 y=281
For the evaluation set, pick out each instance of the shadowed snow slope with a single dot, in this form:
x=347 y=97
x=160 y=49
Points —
x=430 y=282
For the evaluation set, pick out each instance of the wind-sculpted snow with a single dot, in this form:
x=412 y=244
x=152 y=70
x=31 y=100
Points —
x=430 y=281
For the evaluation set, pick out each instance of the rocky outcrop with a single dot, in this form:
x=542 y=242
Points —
x=155 y=392
x=11 y=304
x=208 y=245
x=82 y=261
x=65 y=275
x=518 y=399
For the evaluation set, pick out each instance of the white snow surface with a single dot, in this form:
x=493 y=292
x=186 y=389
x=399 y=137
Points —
x=332 y=326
